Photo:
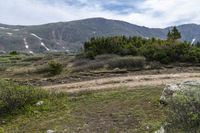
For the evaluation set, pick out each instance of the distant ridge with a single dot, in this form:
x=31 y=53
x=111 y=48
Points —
x=70 y=36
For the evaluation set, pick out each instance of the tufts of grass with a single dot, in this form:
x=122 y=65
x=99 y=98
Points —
x=14 y=97
x=127 y=62
x=32 y=58
x=107 y=111
x=109 y=62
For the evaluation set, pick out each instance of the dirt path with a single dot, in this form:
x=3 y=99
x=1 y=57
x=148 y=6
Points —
x=122 y=81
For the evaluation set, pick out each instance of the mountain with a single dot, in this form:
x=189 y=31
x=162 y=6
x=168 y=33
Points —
x=70 y=36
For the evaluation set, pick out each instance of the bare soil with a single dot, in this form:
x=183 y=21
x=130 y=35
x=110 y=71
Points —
x=129 y=81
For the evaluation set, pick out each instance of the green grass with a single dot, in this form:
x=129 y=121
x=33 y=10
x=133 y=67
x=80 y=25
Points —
x=108 y=111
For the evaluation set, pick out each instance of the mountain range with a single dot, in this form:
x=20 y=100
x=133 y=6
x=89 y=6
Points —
x=70 y=36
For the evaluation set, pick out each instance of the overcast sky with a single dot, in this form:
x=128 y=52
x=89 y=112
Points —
x=150 y=13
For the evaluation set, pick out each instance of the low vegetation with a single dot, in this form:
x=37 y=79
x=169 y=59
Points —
x=14 y=53
x=14 y=97
x=109 y=62
x=55 y=67
x=184 y=111
x=164 y=51
x=127 y=62
x=113 y=111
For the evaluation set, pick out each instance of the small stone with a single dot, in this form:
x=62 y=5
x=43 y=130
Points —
x=50 y=131
x=39 y=103
x=116 y=69
x=147 y=127
x=161 y=130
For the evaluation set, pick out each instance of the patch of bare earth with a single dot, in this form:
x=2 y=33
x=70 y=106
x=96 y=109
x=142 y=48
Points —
x=122 y=81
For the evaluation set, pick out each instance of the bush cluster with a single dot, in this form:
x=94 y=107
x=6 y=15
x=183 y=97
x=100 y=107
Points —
x=184 y=109
x=55 y=67
x=14 y=53
x=109 y=61
x=153 y=49
x=127 y=62
x=14 y=97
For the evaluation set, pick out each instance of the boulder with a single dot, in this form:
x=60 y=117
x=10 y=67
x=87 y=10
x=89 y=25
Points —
x=172 y=89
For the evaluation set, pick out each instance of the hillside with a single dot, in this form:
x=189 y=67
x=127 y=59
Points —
x=69 y=36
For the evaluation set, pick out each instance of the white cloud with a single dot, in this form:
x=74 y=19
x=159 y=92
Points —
x=151 y=13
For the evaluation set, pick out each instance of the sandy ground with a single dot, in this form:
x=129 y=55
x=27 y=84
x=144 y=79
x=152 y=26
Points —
x=122 y=81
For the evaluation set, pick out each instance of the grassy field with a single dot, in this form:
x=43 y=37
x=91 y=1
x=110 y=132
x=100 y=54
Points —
x=130 y=111
x=114 y=111
x=34 y=69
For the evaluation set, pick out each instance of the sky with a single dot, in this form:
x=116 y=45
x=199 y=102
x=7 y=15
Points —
x=149 y=13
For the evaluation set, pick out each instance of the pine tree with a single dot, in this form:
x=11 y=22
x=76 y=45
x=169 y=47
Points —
x=173 y=35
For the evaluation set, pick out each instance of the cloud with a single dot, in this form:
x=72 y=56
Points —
x=151 y=13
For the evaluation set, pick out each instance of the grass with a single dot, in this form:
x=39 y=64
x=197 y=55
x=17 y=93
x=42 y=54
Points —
x=135 y=111
x=109 y=62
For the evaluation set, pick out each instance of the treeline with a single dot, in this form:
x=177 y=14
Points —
x=164 y=51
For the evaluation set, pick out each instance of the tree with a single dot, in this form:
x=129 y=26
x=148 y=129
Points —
x=173 y=35
x=13 y=53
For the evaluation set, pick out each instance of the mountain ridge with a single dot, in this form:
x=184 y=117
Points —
x=70 y=36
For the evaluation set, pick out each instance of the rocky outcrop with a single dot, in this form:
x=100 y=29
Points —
x=172 y=89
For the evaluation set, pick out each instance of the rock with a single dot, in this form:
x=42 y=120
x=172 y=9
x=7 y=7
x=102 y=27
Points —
x=147 y=127
x=161 y=130
x=116 y=69
x=39 y=103
x=50 y=131
x=172 y=89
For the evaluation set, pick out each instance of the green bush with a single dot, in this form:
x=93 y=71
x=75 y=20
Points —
x=164 y=51
x=14 y=97
x=55 y=67
x=14 y=53
x=184 y=110
x=127 y=62
x=110 y=61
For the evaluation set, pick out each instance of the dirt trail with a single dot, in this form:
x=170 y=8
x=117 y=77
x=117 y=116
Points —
x=122 y=81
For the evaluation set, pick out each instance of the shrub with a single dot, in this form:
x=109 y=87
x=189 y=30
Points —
x=92 y=65
x=127 y=62
x=55 y=67
x=184 y=109
x=164 y=51
x=78 y=61
x=33 y=58
x=14 y=53
x=106 y=57
x=14 y=97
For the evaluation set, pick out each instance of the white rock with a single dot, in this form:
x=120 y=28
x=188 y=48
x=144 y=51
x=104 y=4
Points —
x=161 y=130
x=39 y=103
x=50 y=131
